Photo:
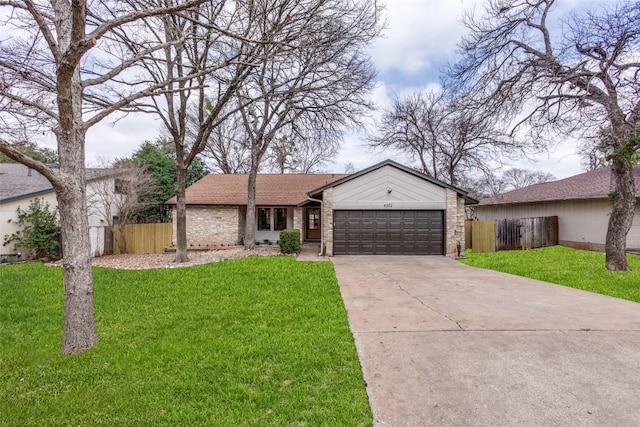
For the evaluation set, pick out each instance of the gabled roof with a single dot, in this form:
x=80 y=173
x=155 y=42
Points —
x=462 y=193
x=596 y=184
x=18 y=181
x=271 y=189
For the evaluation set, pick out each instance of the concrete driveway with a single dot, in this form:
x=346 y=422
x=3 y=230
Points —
x=443 y=344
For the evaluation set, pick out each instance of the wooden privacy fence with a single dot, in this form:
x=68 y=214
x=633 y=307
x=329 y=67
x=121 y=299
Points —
x=143 y=238
x=509 y=234
x=101 y=240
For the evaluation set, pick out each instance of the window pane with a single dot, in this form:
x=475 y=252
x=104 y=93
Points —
x=280 y=219
x=264 y=219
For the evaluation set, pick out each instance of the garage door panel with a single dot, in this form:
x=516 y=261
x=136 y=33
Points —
x=389 y=232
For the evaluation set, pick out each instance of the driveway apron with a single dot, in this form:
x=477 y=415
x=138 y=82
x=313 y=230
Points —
x=444 y=344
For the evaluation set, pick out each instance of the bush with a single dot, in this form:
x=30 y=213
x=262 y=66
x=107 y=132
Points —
x=290 y=241
x=39 y=233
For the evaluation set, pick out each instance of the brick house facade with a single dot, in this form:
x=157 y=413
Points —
x=385 y=209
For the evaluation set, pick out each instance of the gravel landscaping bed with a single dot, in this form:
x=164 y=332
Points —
x=149 y=261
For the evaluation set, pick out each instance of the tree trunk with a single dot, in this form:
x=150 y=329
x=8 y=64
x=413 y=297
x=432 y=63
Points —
x=79 y=326
x=122 y=242
x=181 y=214
x=250 y=223
x=624 y=204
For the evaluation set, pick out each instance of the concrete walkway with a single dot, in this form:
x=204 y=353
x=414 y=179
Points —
x=309 y=252
x=443 y=344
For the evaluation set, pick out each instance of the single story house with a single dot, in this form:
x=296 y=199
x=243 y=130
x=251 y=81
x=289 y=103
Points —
x=580 y=202
x=387 y=208
x=20 y=184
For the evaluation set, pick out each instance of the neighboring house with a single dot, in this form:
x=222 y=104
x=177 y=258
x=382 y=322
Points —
x=582 y=204
x=20 y=184
x=385 y=209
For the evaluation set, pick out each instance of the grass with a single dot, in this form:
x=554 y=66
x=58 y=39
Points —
x=565 y=266
x=256 y=341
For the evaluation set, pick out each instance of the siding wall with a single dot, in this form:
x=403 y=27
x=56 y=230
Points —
x=8 y=211
x=389 y=188
x=581 y=223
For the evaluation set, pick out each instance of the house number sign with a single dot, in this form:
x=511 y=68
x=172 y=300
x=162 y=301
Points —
x=388 y=205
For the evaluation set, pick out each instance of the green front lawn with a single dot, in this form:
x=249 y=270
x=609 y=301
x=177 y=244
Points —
x=565 y=266
x=256 y=341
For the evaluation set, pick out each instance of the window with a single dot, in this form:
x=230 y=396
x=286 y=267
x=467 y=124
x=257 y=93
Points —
x=271 y=219
x=121 y=186
x=280 y=219
x=264 y=219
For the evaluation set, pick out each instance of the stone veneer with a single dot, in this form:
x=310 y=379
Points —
x=454 y=232
x=298 y=221
x=327 y=221
x=210 y=225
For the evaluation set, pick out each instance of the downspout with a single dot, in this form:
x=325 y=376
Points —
x=321 y=225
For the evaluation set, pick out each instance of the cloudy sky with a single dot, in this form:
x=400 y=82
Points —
x=420 y=37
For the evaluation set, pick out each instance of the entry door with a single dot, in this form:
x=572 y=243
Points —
x=313 y=223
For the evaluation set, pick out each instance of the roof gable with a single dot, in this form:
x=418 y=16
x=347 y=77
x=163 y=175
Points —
x=18 y=181
x=389 y=187
x=391 y=163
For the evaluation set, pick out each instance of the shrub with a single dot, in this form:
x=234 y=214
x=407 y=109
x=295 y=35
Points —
x=39 y=233
x=290 y=241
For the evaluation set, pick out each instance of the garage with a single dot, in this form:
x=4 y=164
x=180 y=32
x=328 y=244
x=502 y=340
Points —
x=390 y=209
x=388 y=232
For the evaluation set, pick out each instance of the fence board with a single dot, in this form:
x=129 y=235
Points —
x=510 y=234
x=483 y=236
x=143 y=238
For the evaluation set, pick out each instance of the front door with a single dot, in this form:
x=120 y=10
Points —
x=313 y=223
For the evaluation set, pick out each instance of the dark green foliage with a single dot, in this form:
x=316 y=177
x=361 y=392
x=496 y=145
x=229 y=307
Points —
x=290 y=241
x=31 y=149
x=158 y=158
x=250 y=342
x=39 y=234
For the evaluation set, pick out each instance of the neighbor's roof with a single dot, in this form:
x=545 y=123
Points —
x=271 y=189
x=18 y=181
x=596 y=184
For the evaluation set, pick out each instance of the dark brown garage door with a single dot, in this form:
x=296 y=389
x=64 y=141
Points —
x=364 y=232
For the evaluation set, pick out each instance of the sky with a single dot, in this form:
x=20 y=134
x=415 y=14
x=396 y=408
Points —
x=419 y=39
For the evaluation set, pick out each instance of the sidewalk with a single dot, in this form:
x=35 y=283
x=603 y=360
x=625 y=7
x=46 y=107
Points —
x=309 y=252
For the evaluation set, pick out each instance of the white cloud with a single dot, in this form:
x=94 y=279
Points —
x=109 y=141
x=420 y=34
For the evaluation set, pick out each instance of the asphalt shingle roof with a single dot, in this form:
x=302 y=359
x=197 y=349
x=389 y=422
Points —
x=271 y=189
x=596 y=184
x=18 y=181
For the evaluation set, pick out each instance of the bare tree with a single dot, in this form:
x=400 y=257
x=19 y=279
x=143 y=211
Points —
x=518 y=178
x=349 y=168
x=318 y=79
x=51 y=80
x=444 y=134
x=227 y=148
x=128 y=189
x=306 y=152
x=582 y=78
x=207 y=53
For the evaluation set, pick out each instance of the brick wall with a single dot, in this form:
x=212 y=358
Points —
x=454 y=232
x=298 y=215
x=327 y=220
x=210 y=225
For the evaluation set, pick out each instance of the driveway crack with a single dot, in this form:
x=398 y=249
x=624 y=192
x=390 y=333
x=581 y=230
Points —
x=399 y=286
